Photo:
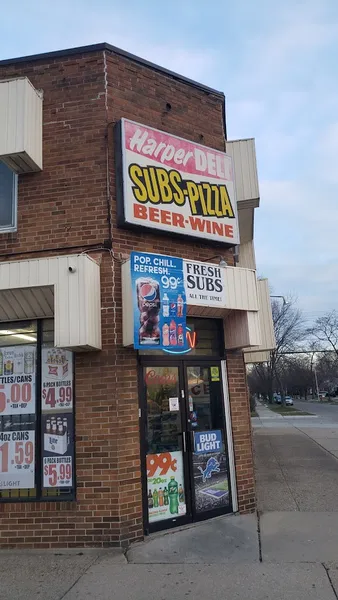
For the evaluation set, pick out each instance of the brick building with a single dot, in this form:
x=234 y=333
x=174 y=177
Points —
x=123 y=397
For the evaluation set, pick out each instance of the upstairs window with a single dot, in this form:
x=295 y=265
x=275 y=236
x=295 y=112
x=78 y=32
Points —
x=8 y=199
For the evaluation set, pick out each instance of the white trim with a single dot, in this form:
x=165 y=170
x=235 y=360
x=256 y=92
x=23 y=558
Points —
x=229 y=437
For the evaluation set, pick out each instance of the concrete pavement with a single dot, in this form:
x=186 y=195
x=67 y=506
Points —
x=289 y=550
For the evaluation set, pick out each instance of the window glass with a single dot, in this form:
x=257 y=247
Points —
x=8 y=190
x=36 y=413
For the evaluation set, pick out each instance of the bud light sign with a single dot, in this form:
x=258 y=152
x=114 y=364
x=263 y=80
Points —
x=159 y=302
x=206 y=442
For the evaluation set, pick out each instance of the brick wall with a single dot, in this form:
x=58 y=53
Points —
x=70 y=206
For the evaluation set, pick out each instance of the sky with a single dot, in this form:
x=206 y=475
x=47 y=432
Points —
x=276 y=62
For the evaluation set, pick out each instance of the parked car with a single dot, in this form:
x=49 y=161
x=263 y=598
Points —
x=278 y=399
x=288 y=401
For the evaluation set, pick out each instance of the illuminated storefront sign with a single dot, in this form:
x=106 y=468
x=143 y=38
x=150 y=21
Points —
x=173 y=185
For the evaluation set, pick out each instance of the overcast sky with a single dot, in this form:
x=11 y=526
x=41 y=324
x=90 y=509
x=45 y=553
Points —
x=276 y=62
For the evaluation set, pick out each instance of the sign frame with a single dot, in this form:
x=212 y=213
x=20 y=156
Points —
x=120 y=182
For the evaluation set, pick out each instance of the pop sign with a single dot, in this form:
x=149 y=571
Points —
x=170 y=184
x=159 y=302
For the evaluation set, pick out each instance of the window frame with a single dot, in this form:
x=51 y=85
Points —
x=38 y=467
x=14 y=198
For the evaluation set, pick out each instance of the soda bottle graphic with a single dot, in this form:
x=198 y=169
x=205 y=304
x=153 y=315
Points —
x=180 y=335
x=149 y=304
x=173 y=496
x=181 y=493
x=160 y=497
x=180 y=304
x=165 y=334
x=150 y=500
x=172 y=333
x=155 y=498
x=165 y=497
x=165 y=305
x=172 y=309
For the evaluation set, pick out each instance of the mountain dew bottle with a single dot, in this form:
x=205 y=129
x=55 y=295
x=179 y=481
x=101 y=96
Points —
x=173 y=495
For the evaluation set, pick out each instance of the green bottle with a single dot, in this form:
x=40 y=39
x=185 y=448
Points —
x=166 y=497
x=173 y=496
x=155 y=498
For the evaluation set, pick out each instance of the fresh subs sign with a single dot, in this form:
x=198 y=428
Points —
x=173 y=185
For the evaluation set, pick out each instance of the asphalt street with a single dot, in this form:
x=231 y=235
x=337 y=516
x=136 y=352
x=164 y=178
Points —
x=324 y=410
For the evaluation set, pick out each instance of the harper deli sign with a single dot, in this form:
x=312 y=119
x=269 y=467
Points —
x=174 y=185
x=204 y=284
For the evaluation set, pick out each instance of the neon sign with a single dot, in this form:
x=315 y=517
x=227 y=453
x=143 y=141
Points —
x=191 y=338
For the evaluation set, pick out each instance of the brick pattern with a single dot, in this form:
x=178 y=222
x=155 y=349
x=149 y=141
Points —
x=70 y=206
x=241 y=429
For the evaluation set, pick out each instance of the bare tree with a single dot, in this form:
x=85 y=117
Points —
x=325 y=330
x=289 y=330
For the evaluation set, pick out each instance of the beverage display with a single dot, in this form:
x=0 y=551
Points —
x=173 y=495
x=149 y=304
x=159 y=302
x=8 y=362
x=172 y=308
x=180 y=334
x=166 y=499
x=180 y=305
x=165 y=305
x=172 y=333
x=29 y=366
x=181 y=493
x=160 y=497
x=155 y=498
x=19 y=362
x=165 y=335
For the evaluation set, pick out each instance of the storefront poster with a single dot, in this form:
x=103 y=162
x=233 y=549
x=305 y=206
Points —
x=204 y=284
x=159 y=302
x=17 y=452
x=174 y=185
x=166 y=494
x=210 y=471
x=207 y=442
x=58 y=449
x=57 y=379
x=17 y=380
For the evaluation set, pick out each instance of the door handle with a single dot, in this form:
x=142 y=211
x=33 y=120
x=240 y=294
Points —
x=184 y=442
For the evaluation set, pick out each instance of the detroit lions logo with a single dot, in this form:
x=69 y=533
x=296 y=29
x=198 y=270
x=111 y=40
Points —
x=212 y=466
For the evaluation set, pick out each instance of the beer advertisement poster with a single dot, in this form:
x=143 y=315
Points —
x=17 y=380
x=57 y=379
x=17 y=452
x=159 y=302
x=174 y=185
x=58 y=449
x=210 y=471
x=165 y=479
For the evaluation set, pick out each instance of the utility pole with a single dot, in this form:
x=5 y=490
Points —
x=315 y=372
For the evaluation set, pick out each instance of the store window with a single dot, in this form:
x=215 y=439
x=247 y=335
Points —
x=36 y=414
x=8 y=199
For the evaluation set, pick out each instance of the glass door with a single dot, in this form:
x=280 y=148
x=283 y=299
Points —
x=165 y=448
x=210 y=480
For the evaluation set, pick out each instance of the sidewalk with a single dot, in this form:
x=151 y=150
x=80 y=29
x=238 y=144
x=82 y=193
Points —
x=284 y=556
